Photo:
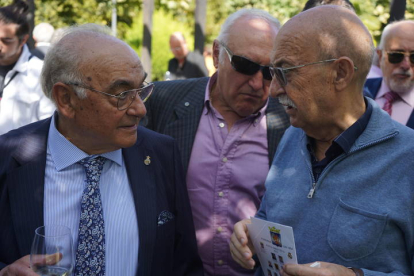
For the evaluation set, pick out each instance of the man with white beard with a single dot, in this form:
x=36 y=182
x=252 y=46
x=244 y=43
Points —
x=395 y=91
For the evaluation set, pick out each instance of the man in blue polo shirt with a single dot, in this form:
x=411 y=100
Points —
x=342 y=175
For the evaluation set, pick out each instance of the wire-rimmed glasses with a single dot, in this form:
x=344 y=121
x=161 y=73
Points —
x=125 y=98
x=279 y=72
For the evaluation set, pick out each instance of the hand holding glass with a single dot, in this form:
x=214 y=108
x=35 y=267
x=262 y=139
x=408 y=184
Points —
x=52 y=253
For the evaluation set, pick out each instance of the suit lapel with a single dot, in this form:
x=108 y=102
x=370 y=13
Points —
x=188 y=112
x=410 y=122
x=26 y=185
x=143 y=188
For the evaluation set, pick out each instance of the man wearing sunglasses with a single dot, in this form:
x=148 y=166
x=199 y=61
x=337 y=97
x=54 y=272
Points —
x=227 y=130
x=119 y=187
x=395 y=90
x=342 y=176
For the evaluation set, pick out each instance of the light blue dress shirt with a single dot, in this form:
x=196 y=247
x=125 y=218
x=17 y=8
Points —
x=64 y=185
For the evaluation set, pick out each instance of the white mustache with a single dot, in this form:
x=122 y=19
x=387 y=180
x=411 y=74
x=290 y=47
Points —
x=406 y=73
x=284 y=100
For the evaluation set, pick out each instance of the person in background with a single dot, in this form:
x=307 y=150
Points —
x=120 y=188
x=394 y=92
x=227 y=131
x=21 y=98
x=42 y=35
x=208 y=59
x=342 y=175
x=315 y=3
x=185 y=64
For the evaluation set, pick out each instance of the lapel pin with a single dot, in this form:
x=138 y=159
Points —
x=147 y=161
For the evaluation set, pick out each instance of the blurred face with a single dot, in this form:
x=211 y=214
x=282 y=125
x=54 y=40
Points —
x=237 y=92
x=10 y=46
x=306 y=96
x=398 y=76
x=178 y=47
x=99 y=124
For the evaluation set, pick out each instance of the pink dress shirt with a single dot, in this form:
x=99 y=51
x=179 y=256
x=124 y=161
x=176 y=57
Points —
x=401 y=109
x=225 y=182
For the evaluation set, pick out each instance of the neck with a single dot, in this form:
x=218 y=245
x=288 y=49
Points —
x=340 y=121
x=216 y=100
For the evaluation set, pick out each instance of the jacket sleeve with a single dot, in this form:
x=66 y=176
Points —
x=187 y=260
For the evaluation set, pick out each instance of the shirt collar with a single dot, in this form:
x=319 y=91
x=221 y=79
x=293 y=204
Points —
x=65 y=154
x=406 y=97
x=207 y=103
x=346 y=139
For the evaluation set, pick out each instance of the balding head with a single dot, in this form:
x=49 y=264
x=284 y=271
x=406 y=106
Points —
x=323 y=56
x=78 y=47
x=334 y=32
x=178 y=46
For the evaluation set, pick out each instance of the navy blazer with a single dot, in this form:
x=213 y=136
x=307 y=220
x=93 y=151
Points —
x=169 y=249
x=373 y=86
x=175 y=109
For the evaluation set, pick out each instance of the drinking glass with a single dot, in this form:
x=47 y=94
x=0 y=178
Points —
x=52 y=253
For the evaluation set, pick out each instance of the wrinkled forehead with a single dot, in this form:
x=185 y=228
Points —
x=105 y=58
x=401 y=36
x=292 y=43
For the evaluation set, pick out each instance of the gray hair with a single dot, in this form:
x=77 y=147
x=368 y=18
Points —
x=43 y=32
x=244 y=13
x=62 y=60
x=387 y=31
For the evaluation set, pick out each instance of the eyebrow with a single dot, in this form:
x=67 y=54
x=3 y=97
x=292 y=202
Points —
x=124 y=83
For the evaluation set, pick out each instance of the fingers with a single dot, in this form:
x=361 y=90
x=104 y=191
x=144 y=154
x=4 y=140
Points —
x=21 y=267
x=43 y=260
x=315 y=269
x=240 y=250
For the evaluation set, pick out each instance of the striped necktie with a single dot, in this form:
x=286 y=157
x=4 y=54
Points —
x=390 y=97
x=90 y=254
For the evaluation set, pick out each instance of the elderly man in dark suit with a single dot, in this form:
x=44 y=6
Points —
x=227 y=130
x=394 y=92
x=90 y=167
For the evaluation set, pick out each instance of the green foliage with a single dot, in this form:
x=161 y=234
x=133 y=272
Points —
x=178 y=15
x=63 y=13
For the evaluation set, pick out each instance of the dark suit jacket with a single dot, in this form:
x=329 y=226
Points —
x=175 y=109
x=194 y=67
x=373 y=86
x=169 y=249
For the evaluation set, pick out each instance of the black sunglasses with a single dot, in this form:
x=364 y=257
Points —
x=397 y=57
x=246 y=66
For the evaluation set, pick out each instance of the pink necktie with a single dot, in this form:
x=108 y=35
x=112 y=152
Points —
x=390 y=97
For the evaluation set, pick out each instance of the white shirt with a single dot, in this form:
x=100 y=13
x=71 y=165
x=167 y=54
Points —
x=64 y=185
x=23 y=101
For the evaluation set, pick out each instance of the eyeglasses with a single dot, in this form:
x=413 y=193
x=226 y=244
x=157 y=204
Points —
x=246 y=66
x=279 y=72
x=397 y=56
x=125 y=98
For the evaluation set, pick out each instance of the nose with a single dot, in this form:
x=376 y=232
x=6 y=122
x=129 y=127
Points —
x=405 y=63
x=137 y=108
x=257 y=81
x=275 y=88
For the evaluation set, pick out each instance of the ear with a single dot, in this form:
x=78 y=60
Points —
x=344 y=72
x=65 y=98
x=24 y=40
x=379 y=53
x=216 y=53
